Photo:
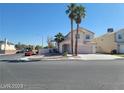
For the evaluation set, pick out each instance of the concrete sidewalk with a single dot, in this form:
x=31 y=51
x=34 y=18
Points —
x=70 y=57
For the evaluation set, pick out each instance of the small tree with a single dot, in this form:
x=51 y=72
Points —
x=20 y=46
x=59 y=38
x=30 y=47
x=38 y=47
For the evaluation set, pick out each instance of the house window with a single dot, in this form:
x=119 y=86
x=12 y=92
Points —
x=87 y=36
x=119 y=36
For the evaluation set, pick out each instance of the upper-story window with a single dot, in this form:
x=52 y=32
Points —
x=87 y=36
x=119 y=36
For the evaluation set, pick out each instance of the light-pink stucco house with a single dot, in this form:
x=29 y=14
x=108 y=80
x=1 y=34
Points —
x=85 y=46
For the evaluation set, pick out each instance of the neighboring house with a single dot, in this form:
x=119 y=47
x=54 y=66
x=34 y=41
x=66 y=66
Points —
x=110 y=41
x=7 y=47
x=106 y=43
x=119 y=39
x=84 y=42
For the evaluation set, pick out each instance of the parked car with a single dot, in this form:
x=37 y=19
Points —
x=28 y=53
x=31 y=52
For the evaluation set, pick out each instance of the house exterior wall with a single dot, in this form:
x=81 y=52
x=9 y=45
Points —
x=67 y=41
x=7 y=49
x=82 y=34
x=84 y=45
x=119 y=36
x=105 y=43
x=10 y=51
x=121 y=33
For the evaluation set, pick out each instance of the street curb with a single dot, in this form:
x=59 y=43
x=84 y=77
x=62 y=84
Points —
x=28 y=59
x=76 y=59
x=37 y=60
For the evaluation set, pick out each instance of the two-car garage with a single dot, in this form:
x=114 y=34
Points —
x=86 y=49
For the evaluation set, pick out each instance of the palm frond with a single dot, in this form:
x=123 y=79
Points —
x=80 y=13
x=71 y=10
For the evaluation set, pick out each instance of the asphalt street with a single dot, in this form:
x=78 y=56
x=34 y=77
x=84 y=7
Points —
x=65 y=75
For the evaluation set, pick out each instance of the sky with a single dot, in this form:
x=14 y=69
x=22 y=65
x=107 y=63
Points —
x=28 y=23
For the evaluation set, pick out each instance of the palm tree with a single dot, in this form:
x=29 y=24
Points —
x=71 y=14
x=59 y=38
x=80 y=13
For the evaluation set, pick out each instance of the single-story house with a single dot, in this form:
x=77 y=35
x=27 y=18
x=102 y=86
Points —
x=85 y=45
x=7 y=47
x=112 y=40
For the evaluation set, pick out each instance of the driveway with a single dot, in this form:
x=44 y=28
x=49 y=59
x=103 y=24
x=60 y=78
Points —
x=98 y=57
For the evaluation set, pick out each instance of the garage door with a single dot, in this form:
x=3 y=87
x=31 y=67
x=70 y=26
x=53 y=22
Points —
x=84 y=49
x=121 y=50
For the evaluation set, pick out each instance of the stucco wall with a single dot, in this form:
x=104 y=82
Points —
x=84 y=44
x=8 y=47
x=120 y=32
x=105 y=43
x=8 y=51
x=46 y=51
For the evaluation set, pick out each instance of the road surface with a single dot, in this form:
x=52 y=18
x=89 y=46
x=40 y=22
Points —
x=55 y=75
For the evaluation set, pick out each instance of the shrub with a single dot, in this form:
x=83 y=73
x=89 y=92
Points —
x=65 y=53
x=114 y=51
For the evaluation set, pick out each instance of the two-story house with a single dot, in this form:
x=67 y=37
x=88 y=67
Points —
x=119 y=39
x=84 y=42
x=106 y=43
x=112 y=40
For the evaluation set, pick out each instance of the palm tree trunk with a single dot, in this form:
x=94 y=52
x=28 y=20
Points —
x=76 y=43
x=72 y=36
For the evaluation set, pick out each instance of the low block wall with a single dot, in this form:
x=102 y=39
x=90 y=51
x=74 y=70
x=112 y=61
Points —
x=46 y=51
x=43 y=51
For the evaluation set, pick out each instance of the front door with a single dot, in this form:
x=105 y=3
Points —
x=65 y=48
